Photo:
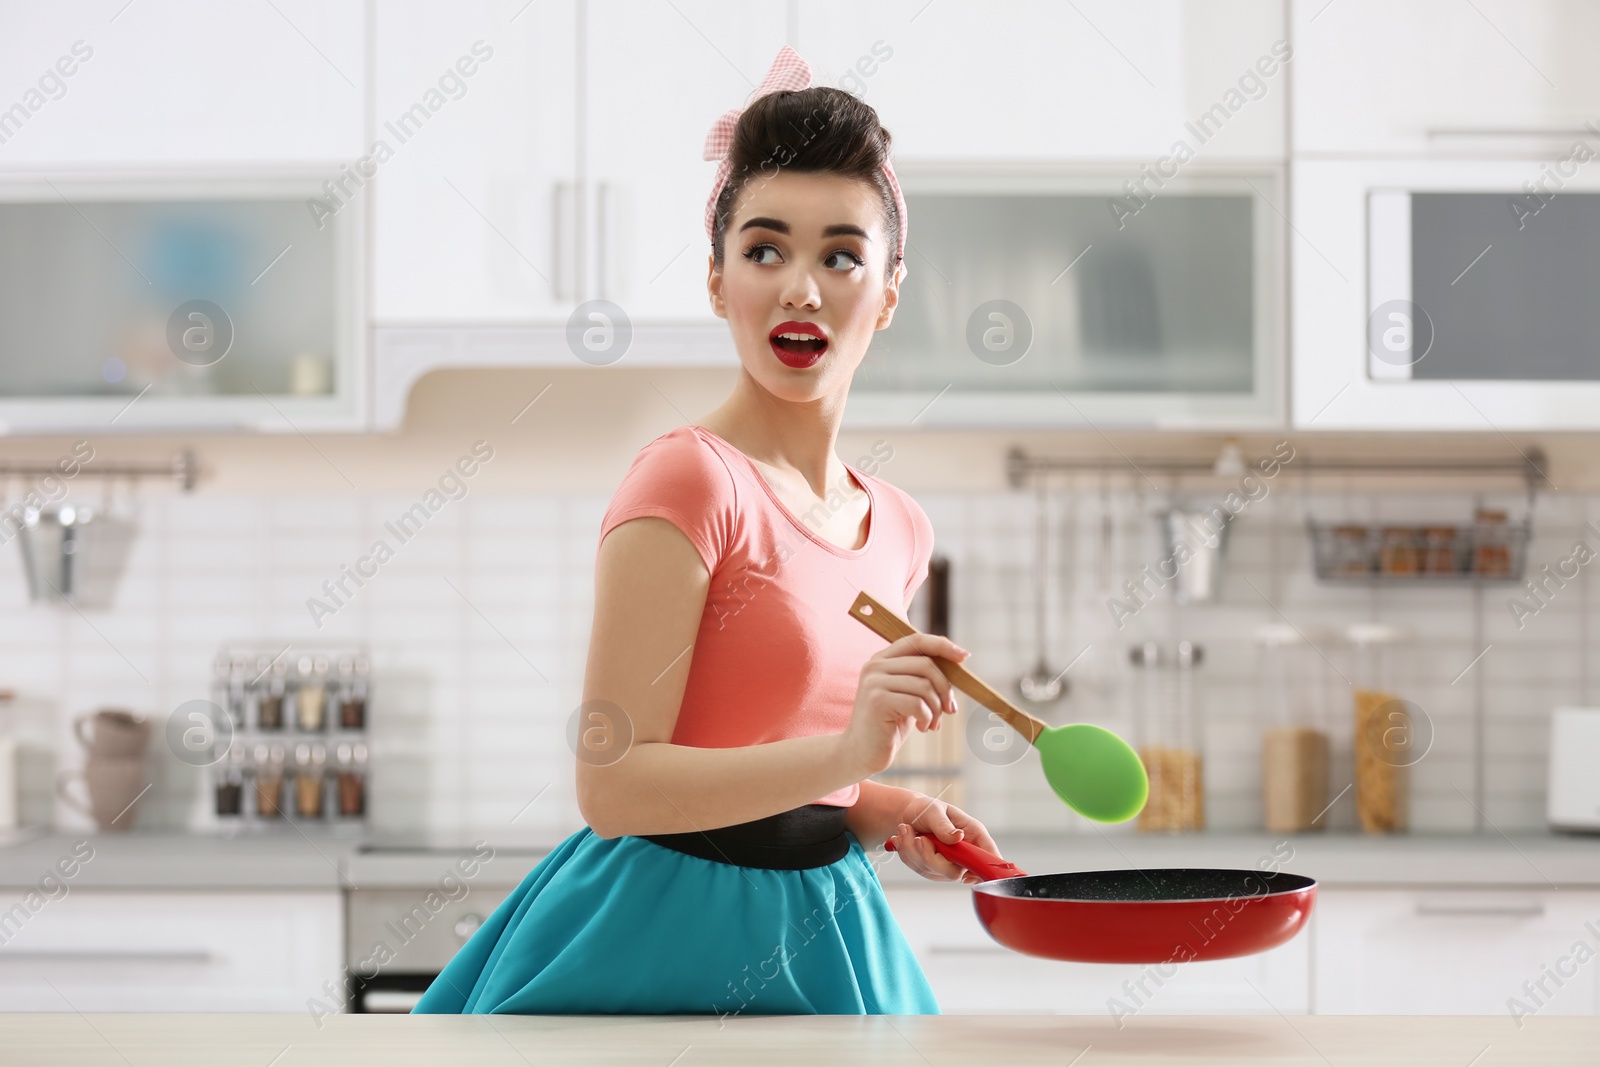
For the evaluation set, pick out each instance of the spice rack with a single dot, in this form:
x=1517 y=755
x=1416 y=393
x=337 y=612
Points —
x=295 y=747
x=1489 y=549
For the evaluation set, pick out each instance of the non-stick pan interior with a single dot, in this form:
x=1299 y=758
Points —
x=1150 y=885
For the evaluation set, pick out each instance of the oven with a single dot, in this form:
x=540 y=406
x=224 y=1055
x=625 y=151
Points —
x=1450 y=293
x=411 y=908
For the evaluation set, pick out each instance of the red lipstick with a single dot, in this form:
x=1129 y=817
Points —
x=798 y=344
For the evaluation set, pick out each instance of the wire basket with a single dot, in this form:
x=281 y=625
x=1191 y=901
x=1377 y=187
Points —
x=1394 y=553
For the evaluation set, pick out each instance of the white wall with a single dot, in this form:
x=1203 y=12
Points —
x=472 y=689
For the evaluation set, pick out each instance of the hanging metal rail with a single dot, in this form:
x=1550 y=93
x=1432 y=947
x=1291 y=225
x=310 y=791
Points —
x=184 y=468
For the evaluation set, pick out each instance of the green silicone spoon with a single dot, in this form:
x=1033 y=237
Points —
x=1097 y=773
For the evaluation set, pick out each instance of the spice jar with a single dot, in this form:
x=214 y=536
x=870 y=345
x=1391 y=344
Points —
x=1491 y=544
x=1398 y=551
x=269 y=761
x=272 y=681
x=1167 y=730
x=310 y=695
x=228 y=688
x=1439 y=550
x=309 y=761
x=353 y=672
x=229 y=784
x=1292 y=700
x=351 y=779
x=1383 y=737
x=1350 y=556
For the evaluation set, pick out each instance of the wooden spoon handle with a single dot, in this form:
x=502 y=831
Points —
x=891 y=627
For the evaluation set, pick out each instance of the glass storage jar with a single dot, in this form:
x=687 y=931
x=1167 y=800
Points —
x=1292 y=701
x=1168 y=735
x=1384 y=741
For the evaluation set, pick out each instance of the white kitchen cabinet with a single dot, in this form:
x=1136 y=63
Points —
x=1092 y=81
x=183 y=83
x=569 y=169
x=972 y=974
x=1455 y=951
x=105 y=950
x=474 y=215
x=1439 y=76
x=657 y=75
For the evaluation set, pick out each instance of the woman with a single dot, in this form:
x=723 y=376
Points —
x=739 y=710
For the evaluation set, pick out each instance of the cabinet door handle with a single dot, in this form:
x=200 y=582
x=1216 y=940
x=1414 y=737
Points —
x=602 y=242
x=1438 y=132
x=66 y=955
x=1531 y=909
x=563 y=238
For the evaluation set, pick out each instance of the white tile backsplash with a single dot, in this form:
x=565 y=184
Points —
x=479 y=624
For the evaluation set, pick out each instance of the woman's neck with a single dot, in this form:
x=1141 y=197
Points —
x=782 y=434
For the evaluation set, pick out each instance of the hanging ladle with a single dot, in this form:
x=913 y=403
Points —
x=1043 y=684
x=1096 y=772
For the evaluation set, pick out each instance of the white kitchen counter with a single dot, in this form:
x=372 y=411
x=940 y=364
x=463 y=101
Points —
x=296 y=1040
x=291 y=861
x=282 y=859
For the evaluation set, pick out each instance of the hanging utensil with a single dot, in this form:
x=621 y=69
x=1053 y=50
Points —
x=1153 y=915
x=1043 y=684
x=74 y=554
x=1093 y=770
x=1203 y=536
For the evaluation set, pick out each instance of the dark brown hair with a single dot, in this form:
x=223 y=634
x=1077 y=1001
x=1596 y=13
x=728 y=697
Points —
x=815 y=130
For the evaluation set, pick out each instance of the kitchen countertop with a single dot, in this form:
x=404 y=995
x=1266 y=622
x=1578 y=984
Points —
x=268 y=861
x=293 y=861
x=296 y=1040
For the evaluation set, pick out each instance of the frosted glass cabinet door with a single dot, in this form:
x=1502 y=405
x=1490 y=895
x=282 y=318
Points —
x=1048 y=302
x=221 y=304
x=475 y=211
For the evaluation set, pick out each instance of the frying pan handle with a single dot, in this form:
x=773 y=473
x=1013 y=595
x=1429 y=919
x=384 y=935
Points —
x=979 y=861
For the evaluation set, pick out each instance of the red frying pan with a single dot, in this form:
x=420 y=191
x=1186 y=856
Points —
x=1140 y=916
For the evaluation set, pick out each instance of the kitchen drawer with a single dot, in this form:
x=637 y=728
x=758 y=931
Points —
x=1454 y=952
x=155 y=951
x=971 y=974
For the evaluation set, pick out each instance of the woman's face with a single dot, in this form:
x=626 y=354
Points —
x=809 y=251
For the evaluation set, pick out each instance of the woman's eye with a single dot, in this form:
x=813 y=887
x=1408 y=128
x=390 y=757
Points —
x=754 y=254
x=852 y=260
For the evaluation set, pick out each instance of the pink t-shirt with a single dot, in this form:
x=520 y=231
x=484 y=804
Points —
x=777 y=654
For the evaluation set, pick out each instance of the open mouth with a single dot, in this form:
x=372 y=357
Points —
x=798 y=344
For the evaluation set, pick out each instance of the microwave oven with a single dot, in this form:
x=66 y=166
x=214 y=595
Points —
x=1449 y=294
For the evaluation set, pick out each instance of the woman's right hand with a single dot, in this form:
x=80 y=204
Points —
x=900 y=688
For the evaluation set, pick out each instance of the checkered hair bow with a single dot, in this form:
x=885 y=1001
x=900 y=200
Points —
x=788 y=73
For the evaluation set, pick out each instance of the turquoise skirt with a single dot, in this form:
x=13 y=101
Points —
x=624 y=925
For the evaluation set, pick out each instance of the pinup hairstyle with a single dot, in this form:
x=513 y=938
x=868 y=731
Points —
x=816 y=130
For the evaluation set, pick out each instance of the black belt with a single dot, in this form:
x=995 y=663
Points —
x=794 y=840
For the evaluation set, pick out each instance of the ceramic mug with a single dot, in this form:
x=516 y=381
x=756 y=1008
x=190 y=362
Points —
x=114 y=787
x=117 y=734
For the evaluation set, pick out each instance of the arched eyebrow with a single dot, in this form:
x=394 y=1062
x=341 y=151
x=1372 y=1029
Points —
x=838 y=229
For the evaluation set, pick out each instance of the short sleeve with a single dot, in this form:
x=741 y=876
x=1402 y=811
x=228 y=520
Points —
x=681 y=478
x=921 y=544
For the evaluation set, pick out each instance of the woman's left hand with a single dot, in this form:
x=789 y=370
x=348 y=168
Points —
x=949 y=823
